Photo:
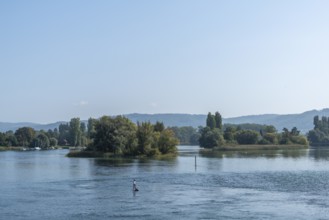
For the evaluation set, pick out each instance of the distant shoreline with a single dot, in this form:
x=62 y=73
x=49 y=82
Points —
x=4 y=148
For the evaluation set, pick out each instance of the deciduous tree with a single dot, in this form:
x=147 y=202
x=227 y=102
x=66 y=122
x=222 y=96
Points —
x=25 y=136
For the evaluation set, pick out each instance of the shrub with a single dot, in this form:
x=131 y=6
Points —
x=247 y=137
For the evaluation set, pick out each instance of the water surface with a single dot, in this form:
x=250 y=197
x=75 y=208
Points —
x=245 y=185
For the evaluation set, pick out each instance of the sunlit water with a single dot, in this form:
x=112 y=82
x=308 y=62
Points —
x=255 y=185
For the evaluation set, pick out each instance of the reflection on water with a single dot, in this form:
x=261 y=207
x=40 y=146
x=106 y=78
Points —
x=255 y=153
x=121 y=162
x=116 y=162
x=280 y=184
x=319 y=153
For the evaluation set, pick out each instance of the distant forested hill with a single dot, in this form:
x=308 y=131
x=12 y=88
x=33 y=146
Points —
x=5 y=126
x=171 y=120
x=303 y=121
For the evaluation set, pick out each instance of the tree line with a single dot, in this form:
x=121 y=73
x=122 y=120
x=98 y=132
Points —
x=28 y=137
x=189 y=135
x=117 y=135
x=121 y=136
x=73 y=133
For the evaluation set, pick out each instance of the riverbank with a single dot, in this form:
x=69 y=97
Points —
x=4 y=148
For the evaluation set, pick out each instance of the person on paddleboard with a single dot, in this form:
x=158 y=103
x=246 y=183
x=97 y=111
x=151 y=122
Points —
x=134 y=186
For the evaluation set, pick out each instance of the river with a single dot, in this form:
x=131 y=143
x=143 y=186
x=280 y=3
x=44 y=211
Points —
x=246 y=185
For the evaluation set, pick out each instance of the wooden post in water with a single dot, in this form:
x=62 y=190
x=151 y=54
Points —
x=195 y=161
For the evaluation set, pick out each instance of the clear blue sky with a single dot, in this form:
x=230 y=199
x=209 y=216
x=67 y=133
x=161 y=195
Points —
x=64 y=59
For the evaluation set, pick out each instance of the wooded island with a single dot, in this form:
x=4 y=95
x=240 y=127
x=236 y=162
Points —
x=213 y=136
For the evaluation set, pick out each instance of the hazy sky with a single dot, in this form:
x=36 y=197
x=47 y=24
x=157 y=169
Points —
x=64 y=59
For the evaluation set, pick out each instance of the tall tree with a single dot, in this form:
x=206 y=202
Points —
x=3 y=139
x=316 y=122
x=56 y=133
x=294 y=131
x=211 y=123
x=64 y=134
x=75 y=131
x=53 y=142
x=145 y=137
x=159 y=126
x=167 y=142
x=41 y=141
x=91 y=127
x=211 y=135
x=11 y=140
x=285 y=136
x=218 y=120
x=103 y=130
x=83 y=127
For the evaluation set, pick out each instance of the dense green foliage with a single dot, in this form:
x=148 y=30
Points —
x=28 y=137
x=319 y=136
x=70 y=134
x=269 y=135
x=167 y=142
x=218 y=121
x=245 y=134
x=247 y=137
x=253 y=127
x=24 y=136
x=120 y=136
x=116 y=135
x=41 y=141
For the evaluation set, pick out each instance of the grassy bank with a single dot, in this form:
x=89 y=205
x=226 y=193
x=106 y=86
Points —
x=257 y=147
x=2 y=148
